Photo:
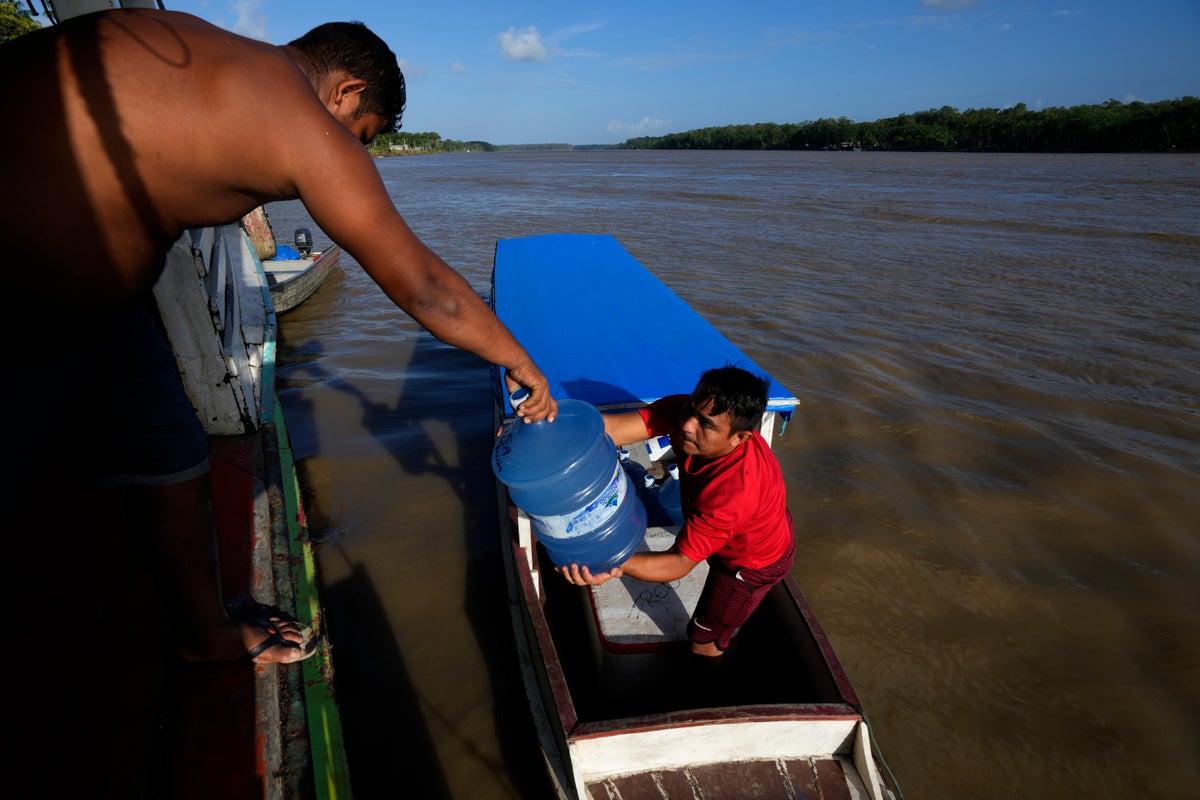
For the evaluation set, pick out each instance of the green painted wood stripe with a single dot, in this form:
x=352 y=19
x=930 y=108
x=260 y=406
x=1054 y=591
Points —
x=330 y=767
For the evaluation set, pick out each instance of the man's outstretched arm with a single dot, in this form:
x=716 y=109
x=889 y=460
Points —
x=342 y=190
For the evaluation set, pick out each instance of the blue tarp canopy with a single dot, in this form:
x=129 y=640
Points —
x=603 y=328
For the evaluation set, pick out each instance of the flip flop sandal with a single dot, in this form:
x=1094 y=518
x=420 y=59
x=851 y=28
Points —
x=267 y=617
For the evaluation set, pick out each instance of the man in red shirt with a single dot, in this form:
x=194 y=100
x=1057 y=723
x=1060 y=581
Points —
x=733 y=498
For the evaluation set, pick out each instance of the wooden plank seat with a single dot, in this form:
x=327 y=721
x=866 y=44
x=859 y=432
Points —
x=769 y=778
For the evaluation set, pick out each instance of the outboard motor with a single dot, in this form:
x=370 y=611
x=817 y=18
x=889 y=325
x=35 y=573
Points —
x=303 y=240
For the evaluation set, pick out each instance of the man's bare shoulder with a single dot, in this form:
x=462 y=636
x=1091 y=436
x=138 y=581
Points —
x=151 y=23
x=144 y=51
x=160 y=101
x=187 y=44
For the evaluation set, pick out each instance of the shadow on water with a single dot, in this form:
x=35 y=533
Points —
x=386 y=722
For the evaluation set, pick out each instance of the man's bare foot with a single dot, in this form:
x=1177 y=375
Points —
x=286 y=640
x=254 y=631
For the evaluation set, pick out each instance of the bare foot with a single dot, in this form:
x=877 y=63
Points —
x=255 y=631
x=285 y=642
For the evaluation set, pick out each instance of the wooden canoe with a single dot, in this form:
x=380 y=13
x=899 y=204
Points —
x=295 y=280
x=621 y=706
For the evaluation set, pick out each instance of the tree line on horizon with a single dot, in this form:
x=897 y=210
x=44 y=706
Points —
x=405 y=143
x=1112 y=126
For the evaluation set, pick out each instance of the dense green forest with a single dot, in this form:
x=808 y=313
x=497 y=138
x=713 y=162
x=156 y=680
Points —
x=15 y=20
x=1111 y=127
x=1170 y=125
x=402 y=143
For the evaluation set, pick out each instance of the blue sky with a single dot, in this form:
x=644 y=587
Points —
x=527 y=71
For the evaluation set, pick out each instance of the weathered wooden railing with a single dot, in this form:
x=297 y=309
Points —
x=216 y=309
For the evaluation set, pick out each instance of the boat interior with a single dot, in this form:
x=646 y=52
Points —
x=608 y=684
x=624 y=652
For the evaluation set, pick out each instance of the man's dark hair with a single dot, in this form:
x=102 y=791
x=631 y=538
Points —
x=352 y=47
x=733 y=389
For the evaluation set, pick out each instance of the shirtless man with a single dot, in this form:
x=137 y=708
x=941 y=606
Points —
x=124 y=128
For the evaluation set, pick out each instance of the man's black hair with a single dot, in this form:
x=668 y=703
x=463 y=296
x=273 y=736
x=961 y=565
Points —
x=733 y=389
x=352 y=47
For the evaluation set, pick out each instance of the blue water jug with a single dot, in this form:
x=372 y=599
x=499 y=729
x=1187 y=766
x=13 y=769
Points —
x=669 y=497
x=655 y=514
x=633 y=469
x=566 y=477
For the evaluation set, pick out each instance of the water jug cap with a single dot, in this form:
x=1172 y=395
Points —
x=518 y=396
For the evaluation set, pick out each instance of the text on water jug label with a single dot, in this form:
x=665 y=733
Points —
x=590 y=517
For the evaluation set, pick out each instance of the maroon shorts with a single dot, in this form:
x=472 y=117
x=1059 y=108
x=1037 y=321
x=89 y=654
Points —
x=730 y=595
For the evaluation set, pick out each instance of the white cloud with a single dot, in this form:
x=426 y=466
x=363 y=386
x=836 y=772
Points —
x=458 y=68
x=251 y=20
x=640 y=128
x=528 y=44
x=524 y=44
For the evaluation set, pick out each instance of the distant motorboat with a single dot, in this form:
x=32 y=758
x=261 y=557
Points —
x=292 y=280
x=293 y=273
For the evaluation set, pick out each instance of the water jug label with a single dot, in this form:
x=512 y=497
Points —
x=588 y=518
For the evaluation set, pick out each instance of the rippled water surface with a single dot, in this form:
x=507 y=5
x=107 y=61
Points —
x=995 y=470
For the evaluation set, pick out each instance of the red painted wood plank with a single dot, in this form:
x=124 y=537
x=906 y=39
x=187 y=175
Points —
x=804 y=778
x=832 y=780
x=674 y=785
x=212 y=720
x=640 y=785
x=565 y=706
x=234 y=477
x=797 y=779
x=742 y=780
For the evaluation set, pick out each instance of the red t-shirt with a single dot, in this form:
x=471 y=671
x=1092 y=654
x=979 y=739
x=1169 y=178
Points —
x=734 y=507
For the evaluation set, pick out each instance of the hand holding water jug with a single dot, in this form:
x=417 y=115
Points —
x=566 y=477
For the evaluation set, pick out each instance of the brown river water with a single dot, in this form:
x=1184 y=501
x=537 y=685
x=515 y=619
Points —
x=995 y=469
